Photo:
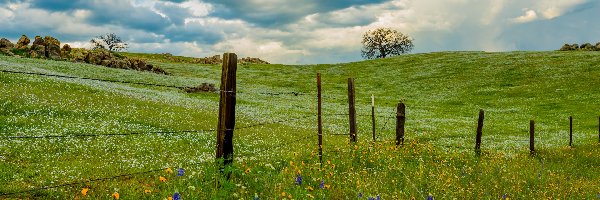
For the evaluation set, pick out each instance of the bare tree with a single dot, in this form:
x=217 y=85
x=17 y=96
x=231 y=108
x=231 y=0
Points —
x=385 y=42
x=109 y=41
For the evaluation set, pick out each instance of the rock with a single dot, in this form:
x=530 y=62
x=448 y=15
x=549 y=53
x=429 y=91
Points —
x=39 y=41
x=96 y=56
x=38 y=48
x=205 y=87
x=252 y=60
x=574 y=47
x=52 y=48
x=6 y=51
x=565 y=47
x=598 y=46
x=6 y=44
x=23 y=42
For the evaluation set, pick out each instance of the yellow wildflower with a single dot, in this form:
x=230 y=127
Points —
x=247 y=171
x=168 y=170
x=291 y=163
x=310 y=189
x=310 y=196
x=289 y=196
x=162 y=179
x=170 y=198
x=85 y=191
x=147 y=191
x=283 y=194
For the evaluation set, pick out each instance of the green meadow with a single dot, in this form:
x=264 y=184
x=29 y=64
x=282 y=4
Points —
x=164 y=129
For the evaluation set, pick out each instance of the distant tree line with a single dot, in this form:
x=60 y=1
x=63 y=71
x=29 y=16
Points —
x=583 y=47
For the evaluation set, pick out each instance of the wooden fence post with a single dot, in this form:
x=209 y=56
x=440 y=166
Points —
x=570 y=131
x=227 y=109
x=479 y=132
x=352 y=109
x=400 y=120
x=531 y=137
x=598 y=129
x=373 y=115
x=320 y=121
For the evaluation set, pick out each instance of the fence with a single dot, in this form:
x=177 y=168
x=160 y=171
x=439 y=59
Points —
x=226 y=122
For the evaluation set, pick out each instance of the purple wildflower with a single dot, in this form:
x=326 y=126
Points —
x=299 y=179
x=371 y=198
x=359 y=195
x=322 y=185
x=180 y=172
x=378 y=198
x=429 y=197
x=504 y=197
x=176 y=196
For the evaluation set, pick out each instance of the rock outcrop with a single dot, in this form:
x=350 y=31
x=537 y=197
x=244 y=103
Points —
x=38 y=48
x=205 y=87
x=6 y=46
x=23 y=42
x=52 y=47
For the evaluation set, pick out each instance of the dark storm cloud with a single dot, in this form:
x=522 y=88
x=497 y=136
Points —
x=276 y=13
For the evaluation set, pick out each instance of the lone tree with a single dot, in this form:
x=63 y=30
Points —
x=109 y=41
x=384 y=42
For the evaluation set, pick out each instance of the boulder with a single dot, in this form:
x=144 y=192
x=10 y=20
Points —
x=38 y=48
x=23 y=42
x=97 y=56
x=565 y=47
x=205 y=87
x=6 y=44
x=598 y=46
x=574 y=47
x=6 y=51
x=52 y=48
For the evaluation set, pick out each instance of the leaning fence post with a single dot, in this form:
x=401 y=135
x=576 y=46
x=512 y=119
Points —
x=531 y=137
x=373 y=115
x=400 y=120
x=352 y=109
x=227 y=109
x=570 y=131
x=320 y=121
x=479 y=132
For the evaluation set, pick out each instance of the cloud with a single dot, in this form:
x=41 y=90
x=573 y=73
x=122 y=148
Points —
x=530 y=15
x=311 y=31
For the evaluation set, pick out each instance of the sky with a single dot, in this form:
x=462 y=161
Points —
x=305 y=31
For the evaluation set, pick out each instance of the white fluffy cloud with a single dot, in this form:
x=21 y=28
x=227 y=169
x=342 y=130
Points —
x=307 y=32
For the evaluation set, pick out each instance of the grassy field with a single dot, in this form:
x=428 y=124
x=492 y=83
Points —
x=443 y=93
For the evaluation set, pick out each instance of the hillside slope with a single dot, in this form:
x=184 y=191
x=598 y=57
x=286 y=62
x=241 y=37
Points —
x=443 y=92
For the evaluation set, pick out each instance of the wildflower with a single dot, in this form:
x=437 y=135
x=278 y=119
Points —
x=169 y=198
x=162 y=179
x=299 y=179
x=168 y=170
x=310 y=189
x=247 y=171
x=283 y=194
x=322 y=185
x=327 y=186
x=310 y=196
x=378 y=198
x=147 y=191
x=329 y=162
x=429 y=197
x=291 y=163
x=359 y=195
x=289 y=196
x=504 y=197
x=85 y=191
x=180 y=172
x=115 y=195
x=371 y=198
x=176 y=196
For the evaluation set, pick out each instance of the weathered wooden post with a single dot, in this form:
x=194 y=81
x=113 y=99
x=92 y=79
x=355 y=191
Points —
x=373 y=115
x=570 y=131
x=400 y=120
x=531 y=137
x=352 y=109
x=598 y=129
x=227 y=109
x=479 y=132
x=320 y=121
